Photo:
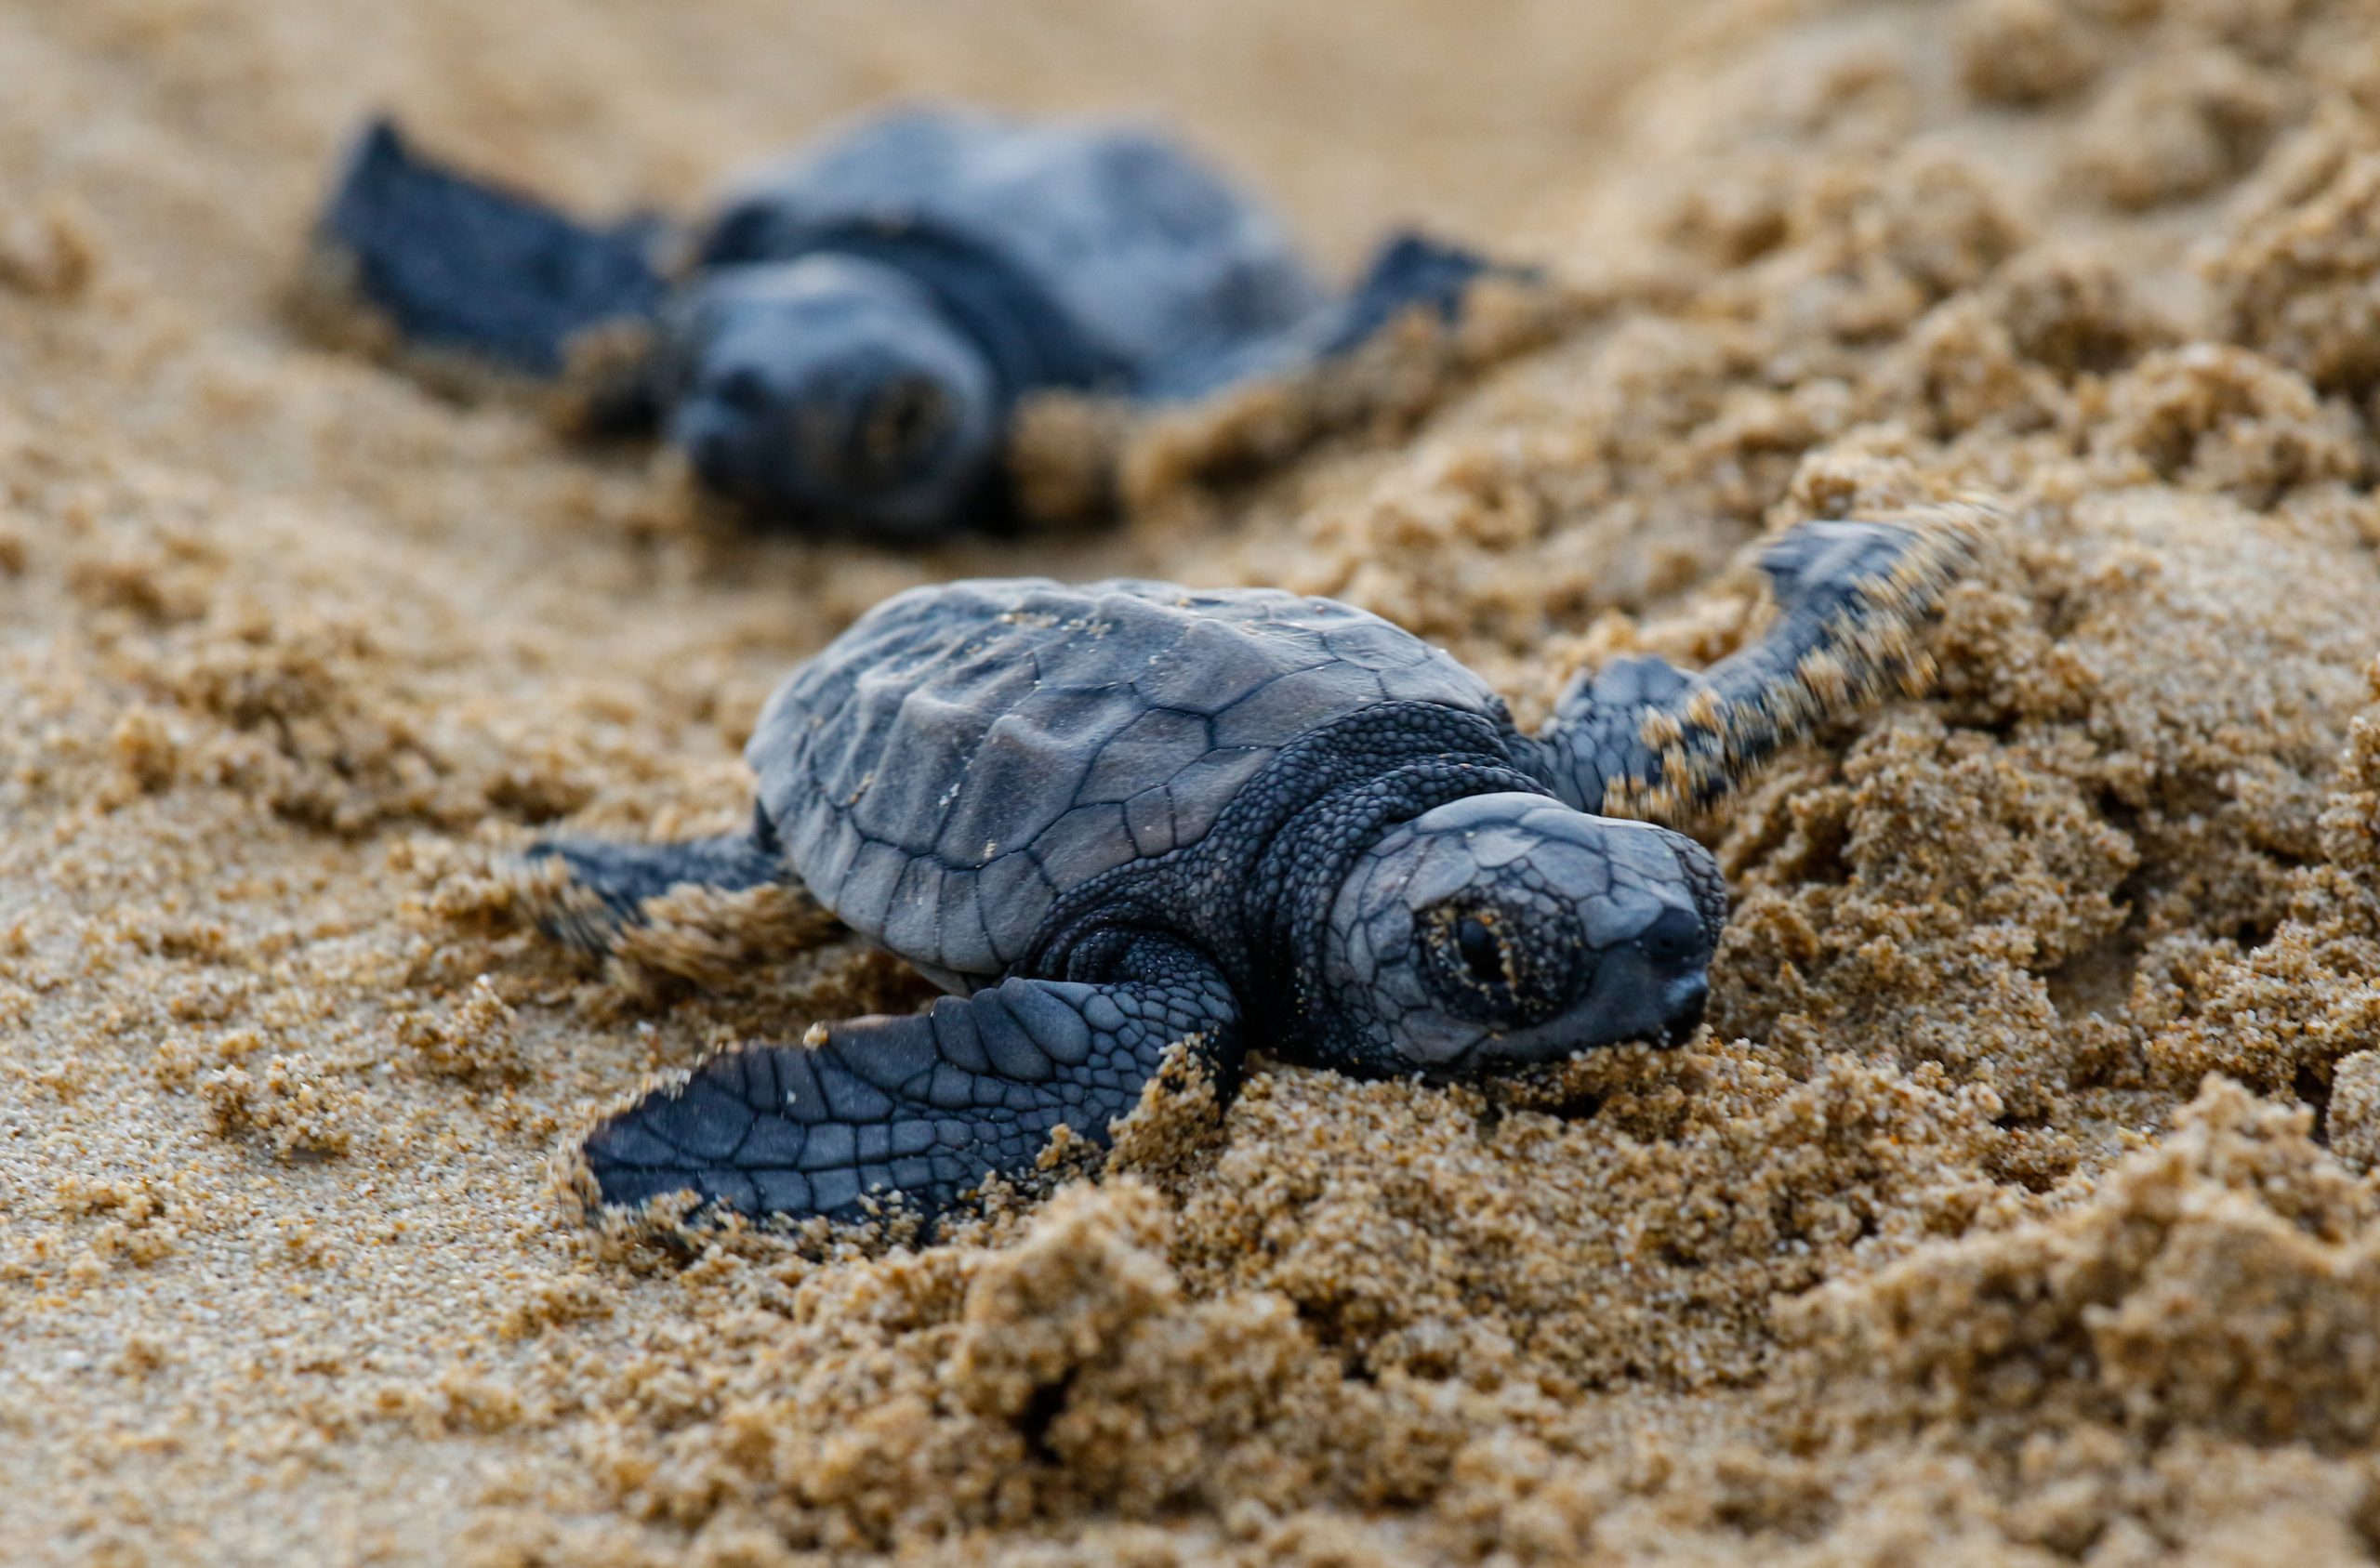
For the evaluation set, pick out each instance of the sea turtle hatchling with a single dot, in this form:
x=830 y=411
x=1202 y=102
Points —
x=1111 y=818
x=845 y=339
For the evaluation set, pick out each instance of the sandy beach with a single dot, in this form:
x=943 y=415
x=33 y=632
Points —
x=2016 y=1207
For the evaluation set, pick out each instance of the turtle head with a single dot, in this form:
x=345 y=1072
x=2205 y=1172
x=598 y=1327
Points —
x=833 y=390
x=1503 y=930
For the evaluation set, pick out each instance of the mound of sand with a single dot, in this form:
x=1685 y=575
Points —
x=2019 y=1206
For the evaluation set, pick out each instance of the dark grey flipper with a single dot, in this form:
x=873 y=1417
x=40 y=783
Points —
x=1409 y=271
x=926 y=1105
x=456 y=263
x=1640 y=734
x=606 y=885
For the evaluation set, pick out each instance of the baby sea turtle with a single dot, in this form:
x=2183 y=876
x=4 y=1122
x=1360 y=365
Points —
x=846 y=337
x=1112 y=818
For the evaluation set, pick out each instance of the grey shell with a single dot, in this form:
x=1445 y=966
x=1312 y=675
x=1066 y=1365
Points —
x=965 y=755
x=1154 y=255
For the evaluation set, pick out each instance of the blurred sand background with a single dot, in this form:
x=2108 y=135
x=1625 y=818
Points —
x=2016 y=1207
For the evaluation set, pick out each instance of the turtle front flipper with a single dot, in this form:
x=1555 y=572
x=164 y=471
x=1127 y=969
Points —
x=1409 y=274
x=925 y=1106
x=1409 y=271
x=460 y=265
x=1641 y=736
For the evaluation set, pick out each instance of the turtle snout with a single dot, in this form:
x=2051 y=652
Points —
x=1676 y=940
x=1686 y=997
x=1677 y=952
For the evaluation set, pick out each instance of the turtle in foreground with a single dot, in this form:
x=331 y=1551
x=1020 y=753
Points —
x=1112 y=818
x=846 y=338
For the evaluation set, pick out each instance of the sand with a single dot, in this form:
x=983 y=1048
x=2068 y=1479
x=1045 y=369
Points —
x=2017 y=1206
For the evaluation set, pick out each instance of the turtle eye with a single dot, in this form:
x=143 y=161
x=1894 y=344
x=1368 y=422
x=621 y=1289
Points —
x=1483 y=954
x=1479 y=971
x=1493 y=963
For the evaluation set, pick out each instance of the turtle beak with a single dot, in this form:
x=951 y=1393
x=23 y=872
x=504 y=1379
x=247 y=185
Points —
x=1689 y=996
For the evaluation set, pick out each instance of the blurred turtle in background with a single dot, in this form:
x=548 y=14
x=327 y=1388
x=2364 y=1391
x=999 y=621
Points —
x=844 y=341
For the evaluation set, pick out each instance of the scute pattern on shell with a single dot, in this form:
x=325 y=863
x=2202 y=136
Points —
x=966 y=754
x=1156 y=255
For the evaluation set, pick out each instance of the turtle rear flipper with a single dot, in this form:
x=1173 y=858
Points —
x=925 y=1106
x=585 y=892
x=1640 y=735
x=456 y=264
